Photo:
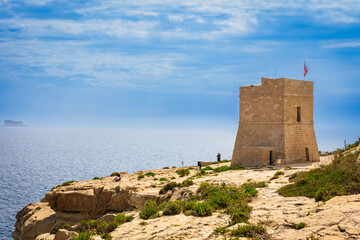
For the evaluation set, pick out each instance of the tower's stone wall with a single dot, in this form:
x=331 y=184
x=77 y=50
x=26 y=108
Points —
x=271 y=131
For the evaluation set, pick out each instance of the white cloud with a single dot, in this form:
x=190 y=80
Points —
x=175 y=18
x=38 y=2
x=59 y=28
x=348 y=44
x=64 y=60
x=145 y=21
x=140 y=19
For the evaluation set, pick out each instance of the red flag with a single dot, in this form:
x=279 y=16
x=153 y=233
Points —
x=305 y=69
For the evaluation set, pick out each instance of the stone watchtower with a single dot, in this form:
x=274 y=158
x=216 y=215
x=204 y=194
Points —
x=276 y=124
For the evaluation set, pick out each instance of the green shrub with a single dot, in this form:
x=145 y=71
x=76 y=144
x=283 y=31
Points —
x=165 y=167
x=312 y=237
x=220 y=230
x=203 y=209
x=60 y=226
x=207 y=168
x=187 y=183
x=150 y=210
x=202 y=172
x=288 y=168
x=190 y=205
x=222 y=169
x=64 y=184
x=169 y=186
x=249 y=190
x=249 y=231
x=172 y=208
x=183 y=172
x=96 y=178
x=143 y=223
x=341 y=177
x=106 y=236
x=219 y=200
x=277 y=174
x=120 y=218
x=239 y=213
x=229 y=197
x=255 y=184
x=163 y=179
x=129 y=218
x=83 y=236
x=113 y=174
x=88 y=224
x=140 y=176
x=101 y=227
x=238 y=167
x=173 y=177
x=189 y=212
x=300 y=225
x=150 y=174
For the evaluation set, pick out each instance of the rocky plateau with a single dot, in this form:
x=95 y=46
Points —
x=338 y=218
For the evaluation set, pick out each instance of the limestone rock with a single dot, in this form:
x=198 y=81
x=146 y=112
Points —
x=81 y=201
x=32 y=220
x=45 y=236
x=71 y=217
x=104 y=199
x=119 y=202
x=108 y=217
x=64 y=234
x=176 y=194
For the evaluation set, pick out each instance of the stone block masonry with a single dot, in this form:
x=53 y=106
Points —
x=275 y=124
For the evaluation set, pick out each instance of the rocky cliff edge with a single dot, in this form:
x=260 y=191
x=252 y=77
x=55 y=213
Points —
x=338 y=218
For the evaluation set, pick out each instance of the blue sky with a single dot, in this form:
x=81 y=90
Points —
x=175 y=63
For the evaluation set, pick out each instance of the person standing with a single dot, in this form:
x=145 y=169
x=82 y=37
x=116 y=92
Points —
x=218 y=157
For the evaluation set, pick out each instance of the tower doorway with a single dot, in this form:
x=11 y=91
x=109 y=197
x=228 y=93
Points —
x=307 y=154
x=271 y=158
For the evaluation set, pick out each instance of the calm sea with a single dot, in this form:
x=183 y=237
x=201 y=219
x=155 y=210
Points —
x=33 y=160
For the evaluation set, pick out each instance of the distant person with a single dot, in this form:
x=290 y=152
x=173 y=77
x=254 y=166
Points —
x=117 y=178
x=218 y=157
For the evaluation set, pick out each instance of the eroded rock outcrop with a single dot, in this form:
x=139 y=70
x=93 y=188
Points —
x=80 y=201
x=33 y=220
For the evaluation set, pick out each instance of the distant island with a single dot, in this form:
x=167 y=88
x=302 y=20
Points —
x=12 y=123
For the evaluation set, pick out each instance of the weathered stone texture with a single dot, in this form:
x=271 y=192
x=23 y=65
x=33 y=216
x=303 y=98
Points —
x=275 y=124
